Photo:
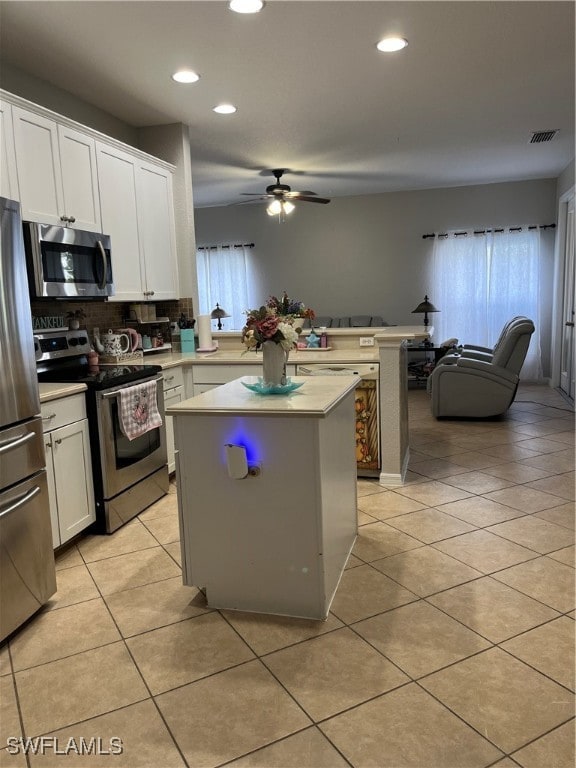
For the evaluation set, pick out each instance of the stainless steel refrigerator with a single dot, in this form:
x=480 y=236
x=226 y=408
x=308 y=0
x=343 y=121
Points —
x=27 y=573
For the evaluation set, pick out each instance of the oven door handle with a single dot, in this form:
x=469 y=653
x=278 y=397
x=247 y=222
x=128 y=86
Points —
x=102 y=285
x=116 y=392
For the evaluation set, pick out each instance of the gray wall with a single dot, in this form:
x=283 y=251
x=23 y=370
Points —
x=366 y=255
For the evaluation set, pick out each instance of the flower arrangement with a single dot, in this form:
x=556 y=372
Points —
x=279 y=320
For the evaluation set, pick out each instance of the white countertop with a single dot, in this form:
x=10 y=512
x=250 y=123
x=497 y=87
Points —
x=54 y=391
x=317 y=397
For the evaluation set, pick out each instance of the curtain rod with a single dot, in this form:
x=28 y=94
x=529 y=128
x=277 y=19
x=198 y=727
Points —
x=485 y=231
x=230 y=245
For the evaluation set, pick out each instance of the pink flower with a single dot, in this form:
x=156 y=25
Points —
x=268 y=327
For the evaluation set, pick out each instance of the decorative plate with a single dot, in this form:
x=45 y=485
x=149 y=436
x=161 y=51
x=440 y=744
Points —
x=273 y=389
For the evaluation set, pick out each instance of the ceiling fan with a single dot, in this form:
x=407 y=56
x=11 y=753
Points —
x=281 y=196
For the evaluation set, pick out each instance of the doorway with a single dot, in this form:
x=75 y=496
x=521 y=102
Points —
x=568 y=298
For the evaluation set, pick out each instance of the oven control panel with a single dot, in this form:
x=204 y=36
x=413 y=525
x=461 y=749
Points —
x=60 y=344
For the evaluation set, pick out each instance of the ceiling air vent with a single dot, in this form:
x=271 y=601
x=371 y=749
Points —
x=539 y=136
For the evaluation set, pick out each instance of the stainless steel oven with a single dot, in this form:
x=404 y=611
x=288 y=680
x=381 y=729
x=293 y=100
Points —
x=128 y=474
x=67 y=263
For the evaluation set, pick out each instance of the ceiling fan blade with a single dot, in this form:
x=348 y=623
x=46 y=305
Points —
x=299 y=194
x=309 y=199
x=256 y=194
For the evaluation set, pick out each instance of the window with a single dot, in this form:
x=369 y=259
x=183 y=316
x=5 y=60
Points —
x=222 y=279
x=482 y=280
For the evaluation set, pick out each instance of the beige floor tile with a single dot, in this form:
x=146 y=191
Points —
x=477 y=482
x=56 y=634
x=230 y=714
x=480 y=511
x=566 y=438
x=549 y=649
x=333 y=672
x=543 y=579
x=436 y=468
x=430 y=525
x=501 y=697
x=509 y=452
x=363 y=592
x=165 y=530
x=407 y=728
x=516 y=472
x=5 y=664
x=175 y=552
x=439 y=449
x=77 y=688
x=534 y=533
x=483 y=441
x=433 y=493
x=187 y=651
x=543 y=428
x=505 y=763
x=9 y=718
x=562 y=515
x=155 y=605
x=562 y=461
x=307 y=749
x=145 y=741
x=388 y=504
x=68 y=557
x=566 y=555
x=474 y=460
x=74 y=584
x=378 y=540
x=559 y=485
x=541 y=445
x=8 y=760
x=367 y=487
x=484 y=551
x=492 y=609
x=419 y=638
x=166 y=506
x=133 y=570
x=129 y=538
x=364 y=519
x=554 y=750
x=353 y=562
x=425 y=571
x=265 y=633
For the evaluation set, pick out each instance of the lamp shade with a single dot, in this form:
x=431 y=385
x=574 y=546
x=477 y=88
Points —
x=217 y=314
x=424 y=307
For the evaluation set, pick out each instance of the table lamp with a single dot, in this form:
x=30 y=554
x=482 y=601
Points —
x=217 y=314
x=423 y=308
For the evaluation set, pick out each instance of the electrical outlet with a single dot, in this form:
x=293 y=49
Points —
x=366 y=341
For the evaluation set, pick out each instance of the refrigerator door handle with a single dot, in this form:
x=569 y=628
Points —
x=9 y=445
x=21 y=501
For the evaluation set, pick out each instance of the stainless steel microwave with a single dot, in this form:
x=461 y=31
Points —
x=67 y=263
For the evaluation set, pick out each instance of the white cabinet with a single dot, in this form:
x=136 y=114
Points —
x=68 y=467
x=56 y=167
x=173 y=385
x=8 y=178
x=138 y=213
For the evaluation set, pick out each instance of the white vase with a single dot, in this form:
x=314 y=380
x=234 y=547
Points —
x=274 y=359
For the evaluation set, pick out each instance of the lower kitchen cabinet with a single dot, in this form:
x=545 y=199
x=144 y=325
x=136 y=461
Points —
x=207 y=377
x=173 y=393
x=68 y=467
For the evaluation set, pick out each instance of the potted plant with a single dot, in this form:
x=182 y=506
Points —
x=74 y=316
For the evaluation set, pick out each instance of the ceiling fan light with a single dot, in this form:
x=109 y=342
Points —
x=225 y=109
x=274 y=208
x=391 y=44
x=185 y=76
x=287 y=206
x=246 y=6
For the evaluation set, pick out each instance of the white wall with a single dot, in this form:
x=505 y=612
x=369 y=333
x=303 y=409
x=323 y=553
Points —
x=366 y=255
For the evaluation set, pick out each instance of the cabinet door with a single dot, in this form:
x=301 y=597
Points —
x=73 y=478
x=8 y=177
x=171 y=397
x=79 y=178
x=38 y=167
x=117 y=185
x=53 y=501
x=156 y=225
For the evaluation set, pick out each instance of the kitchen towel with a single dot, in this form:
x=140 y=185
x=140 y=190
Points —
x=205 y=332
x=138 y=409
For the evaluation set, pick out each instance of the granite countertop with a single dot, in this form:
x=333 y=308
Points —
x=318 y=396
x=233 y=357
x=54 y=391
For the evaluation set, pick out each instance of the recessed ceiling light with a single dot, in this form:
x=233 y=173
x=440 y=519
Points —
x=246 y=6
x=225 y=109
x=185 y=76
x=391 y=44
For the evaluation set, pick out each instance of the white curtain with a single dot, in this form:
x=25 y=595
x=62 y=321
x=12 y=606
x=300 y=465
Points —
x=483 y=280
x=222 y=279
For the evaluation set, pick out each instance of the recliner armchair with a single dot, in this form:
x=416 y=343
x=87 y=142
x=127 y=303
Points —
x=480 y=382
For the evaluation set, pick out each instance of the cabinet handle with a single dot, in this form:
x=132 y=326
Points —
x=168 y=379
x=71 y=219
x=49 y=417
x=21 y=501
x=63 y=218
x=569 y=325
x=58 y=441
x=48 y=445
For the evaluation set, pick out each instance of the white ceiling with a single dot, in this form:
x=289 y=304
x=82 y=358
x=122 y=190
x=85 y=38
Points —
x=456 y=107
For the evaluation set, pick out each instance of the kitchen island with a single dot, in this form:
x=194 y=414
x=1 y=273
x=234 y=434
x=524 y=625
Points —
x=267 y=525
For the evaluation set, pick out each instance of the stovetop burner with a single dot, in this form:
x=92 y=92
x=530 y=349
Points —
x=98 y=376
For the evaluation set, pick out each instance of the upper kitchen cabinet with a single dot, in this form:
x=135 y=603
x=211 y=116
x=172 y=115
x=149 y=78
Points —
x=56 y=167
x=137 y=212
x=8 y=178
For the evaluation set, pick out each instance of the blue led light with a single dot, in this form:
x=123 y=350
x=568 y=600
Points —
x=240 y=435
